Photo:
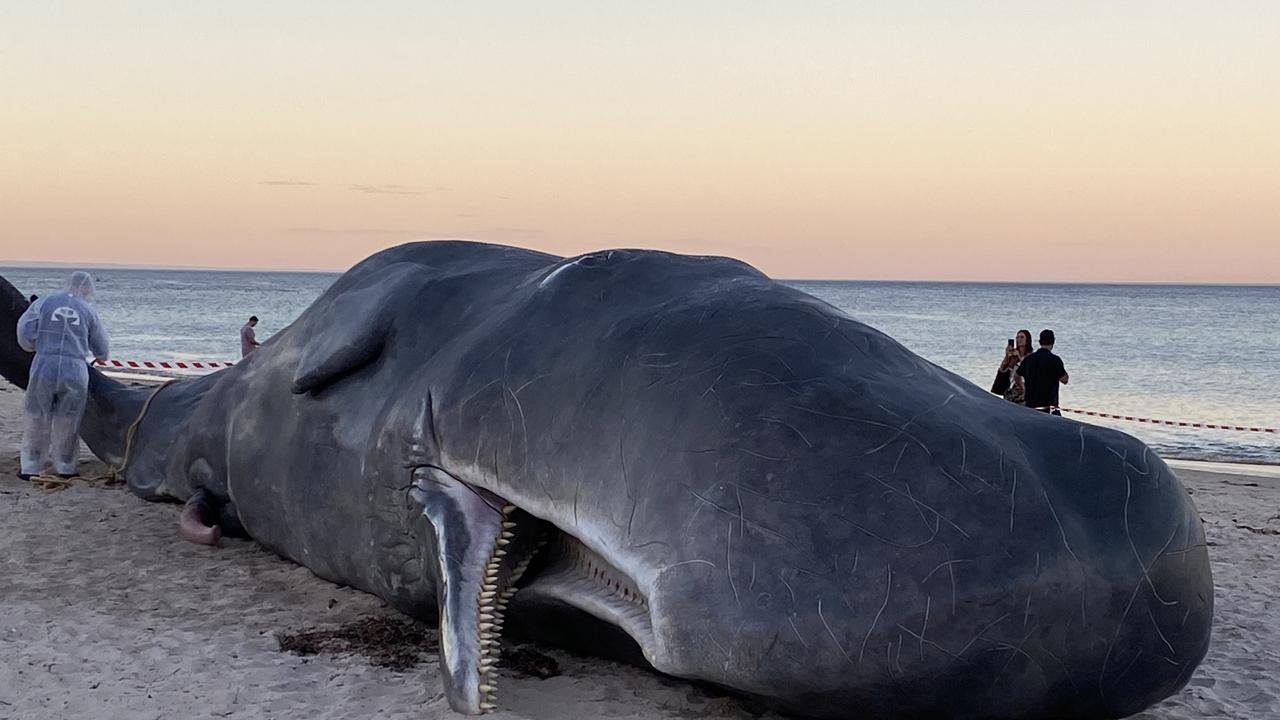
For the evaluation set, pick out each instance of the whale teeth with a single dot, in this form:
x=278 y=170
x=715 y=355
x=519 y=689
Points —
x=503 y=541
x=507 y=524
x=486 y=707
x=507 y=534
x=508 y=509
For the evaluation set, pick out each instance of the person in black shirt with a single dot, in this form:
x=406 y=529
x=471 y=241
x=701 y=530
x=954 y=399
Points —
x=1041 y=372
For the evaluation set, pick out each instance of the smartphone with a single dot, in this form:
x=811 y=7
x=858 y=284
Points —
x=1010 y=342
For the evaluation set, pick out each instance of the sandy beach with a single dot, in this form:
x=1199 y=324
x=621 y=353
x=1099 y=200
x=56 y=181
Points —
x=105 y=613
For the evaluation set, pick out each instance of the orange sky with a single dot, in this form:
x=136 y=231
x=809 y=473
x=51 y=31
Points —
x=933 y=140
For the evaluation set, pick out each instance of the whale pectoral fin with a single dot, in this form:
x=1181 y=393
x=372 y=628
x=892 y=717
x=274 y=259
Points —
x=328 y=359
x=349 y=334
x=474 y=531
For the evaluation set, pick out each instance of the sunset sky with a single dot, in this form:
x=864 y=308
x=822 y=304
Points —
x=1134 y=141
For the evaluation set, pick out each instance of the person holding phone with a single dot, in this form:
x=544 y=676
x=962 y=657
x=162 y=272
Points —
x=1008 y=383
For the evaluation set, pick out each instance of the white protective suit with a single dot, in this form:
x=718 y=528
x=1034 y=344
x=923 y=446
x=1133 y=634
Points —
x=62 y=330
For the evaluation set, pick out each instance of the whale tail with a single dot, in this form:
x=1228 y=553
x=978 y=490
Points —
x=15 y=363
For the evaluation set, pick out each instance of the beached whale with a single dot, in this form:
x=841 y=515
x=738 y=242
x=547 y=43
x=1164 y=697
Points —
x=677 y=461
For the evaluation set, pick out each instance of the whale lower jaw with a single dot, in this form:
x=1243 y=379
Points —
x=492 y=553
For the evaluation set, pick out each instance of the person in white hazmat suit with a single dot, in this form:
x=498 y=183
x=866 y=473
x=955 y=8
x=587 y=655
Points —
x=62 y=330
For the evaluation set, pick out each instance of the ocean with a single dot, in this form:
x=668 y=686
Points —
x=1196 y=353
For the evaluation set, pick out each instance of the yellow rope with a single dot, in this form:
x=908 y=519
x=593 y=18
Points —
x=114 y=474
x=50 y=482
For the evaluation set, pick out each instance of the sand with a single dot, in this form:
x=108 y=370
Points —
x=104 y=613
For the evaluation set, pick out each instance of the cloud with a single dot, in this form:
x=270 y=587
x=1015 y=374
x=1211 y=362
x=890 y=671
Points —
x=287 y=183
x=358 y=232
x=383 y=189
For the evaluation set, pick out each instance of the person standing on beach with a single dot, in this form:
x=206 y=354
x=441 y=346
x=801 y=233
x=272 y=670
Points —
x=1041 y=373
x=248 y=340
x=1008 y=383
x=62 y=330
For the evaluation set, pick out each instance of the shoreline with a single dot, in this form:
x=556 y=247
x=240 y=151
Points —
x=1263 y=470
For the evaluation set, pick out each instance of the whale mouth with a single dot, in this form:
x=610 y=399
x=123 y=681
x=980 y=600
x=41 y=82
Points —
x=483 y=546
x=490 y=552
x=568 y=575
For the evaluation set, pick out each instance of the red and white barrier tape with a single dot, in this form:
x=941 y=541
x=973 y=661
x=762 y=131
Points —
x=217 y=365
x=1175 y=423
x=164 y=364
